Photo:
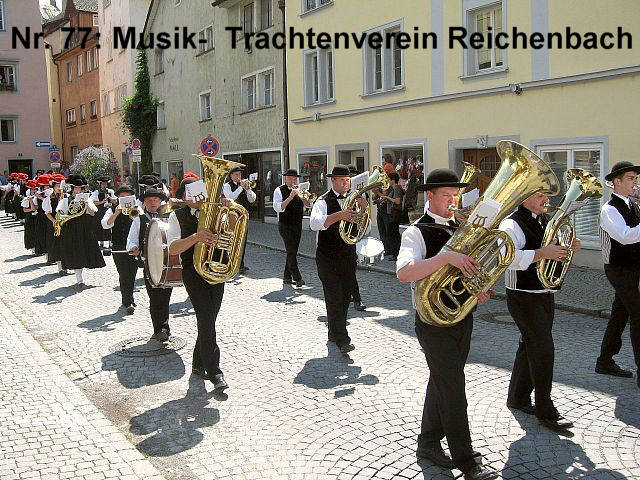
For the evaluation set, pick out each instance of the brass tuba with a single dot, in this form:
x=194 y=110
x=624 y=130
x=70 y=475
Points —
x=447 y=296
x=76 y=209
x=583 y=186
x=219 y=262
x=377 y=179
x=470 y=172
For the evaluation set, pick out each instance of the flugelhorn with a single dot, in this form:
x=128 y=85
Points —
x=304 y=193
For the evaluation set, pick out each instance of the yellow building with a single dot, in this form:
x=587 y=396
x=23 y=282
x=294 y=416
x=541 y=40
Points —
x=440 y=106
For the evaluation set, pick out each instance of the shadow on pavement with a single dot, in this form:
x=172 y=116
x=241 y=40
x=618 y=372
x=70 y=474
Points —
x=175 y=424
x=287 y=295
x=104 y=322
x=627 y=410
x=56 y=295
x=19 y=258
x=137 y=372
x=182 y=309
x=39 y=281
x=28 y=268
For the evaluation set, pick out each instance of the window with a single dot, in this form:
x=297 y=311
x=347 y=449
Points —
x=250 y=93
x=7 y=77
x=69 y=72
x=159 y=61
x=120 y=94
x=71 y=116
x=95 y=20
x=93 y=109
x=109 y=47
x=308 y=5
x=205 y=39
x=7 y=129
x=205 y=106
x=80 y=64
x=484 y=19
x=248 y=18
x=588 y=157
x=267 y=88
x=106 y=104
x=160 y=120
x=92 y=59
x=314 y=166
x=258 y=89
x=83 y=113
x=384 y=70
x=106 y=3
x=409 y=157
x=318 y=77
x=2 y=19
x=266 y=14
x=74 y=151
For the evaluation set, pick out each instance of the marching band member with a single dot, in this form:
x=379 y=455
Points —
x=127 y=265
x=28 y=205
x=355 y=292
x=335 y=259
x=41 y=217
x=21 y=190
x=147 y=181
x=620 y=238
x=102 y=197
x=49 y=206
x=9 y=192
x=445 y=348
x=206 y=298
x=290 y=208
x=159 y=298
x=532 y=307
x=239 y=191
x=78 y=245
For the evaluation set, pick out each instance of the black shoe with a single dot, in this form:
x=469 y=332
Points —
x=62 y=273
x=528 y=409
x=130 y=309
x=199 y=372
x=480 y=473
x=162 y=336
x=300 y=283
x=218 y=383
x=436 y=455
x=559 y=424
x=287 y=281
x=243 y=270
x=613 y=369
x=361 y=307
x=346 y=348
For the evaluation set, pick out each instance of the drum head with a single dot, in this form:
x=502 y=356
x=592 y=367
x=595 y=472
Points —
x=155 y=251
x=369 y=247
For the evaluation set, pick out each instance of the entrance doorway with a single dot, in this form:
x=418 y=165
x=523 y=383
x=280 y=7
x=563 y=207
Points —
x=21 y=166
x=487 y=160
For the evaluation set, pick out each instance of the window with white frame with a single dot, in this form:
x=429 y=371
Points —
x=95 y=20
x=83 y=112
x=93 y=108
x=266 y=14
x=258 y=89
x=384 y=67
x=205 y=105
x=106 y=3
x=109 y=48
x=308 y=5
x=106 y=104
x=7 y=77
x=159 y=61
x=7 y=129
x=266 y=88
x=74 y=151
x=318 y=77
x=69 y=72
x=120 y=94
x=80 y=64
x=92 y=59
x=480 y=19
x=71 y=116
x=249 y=88
x=248 y=18
x=3 y=24
x=586 y=156
x=160 y=118
x=205 y=39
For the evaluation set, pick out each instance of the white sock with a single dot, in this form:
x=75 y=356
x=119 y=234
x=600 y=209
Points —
x=79 y=275
x=59 y=264
x=33 y=251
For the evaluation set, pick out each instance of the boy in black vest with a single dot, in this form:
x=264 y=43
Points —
x=182 y=237
x=290 y=208
x=159 y=298
x=127 y=265
x=620 y=238
x=240 y=192
x=532 y=307
x=445 y=348
x=336 y=260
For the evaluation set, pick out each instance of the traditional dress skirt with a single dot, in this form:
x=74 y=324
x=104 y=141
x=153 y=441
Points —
x=29 y=231
x=41 y=232
x=79 y=246
x=102 y=234
x=8 y=202
x=53 y=244
x=17 y=208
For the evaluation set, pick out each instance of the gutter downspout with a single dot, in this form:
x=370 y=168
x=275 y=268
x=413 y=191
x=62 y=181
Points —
x=285 y=124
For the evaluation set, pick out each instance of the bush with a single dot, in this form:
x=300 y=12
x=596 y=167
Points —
x=94 y=162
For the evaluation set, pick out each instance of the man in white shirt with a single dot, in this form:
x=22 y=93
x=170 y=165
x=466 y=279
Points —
x=532 y=307
x=620 y=238
x=240 y=192
x=102 y=197
x=445 y=348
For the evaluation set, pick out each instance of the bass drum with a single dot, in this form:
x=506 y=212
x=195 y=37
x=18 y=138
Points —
x=369 y=250
x=161 y=269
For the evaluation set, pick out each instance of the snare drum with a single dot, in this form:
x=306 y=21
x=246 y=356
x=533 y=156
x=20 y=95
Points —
x=161 y=269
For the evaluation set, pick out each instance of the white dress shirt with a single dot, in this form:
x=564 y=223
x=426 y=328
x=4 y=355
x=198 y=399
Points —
x=110 y=195
x=25 y=202
x=46 y=204
x=134 y=233
x=105 y=218
x=226 y=191
x=174 y=232
x=319 y=212
x=612 y=222
x=277 y=200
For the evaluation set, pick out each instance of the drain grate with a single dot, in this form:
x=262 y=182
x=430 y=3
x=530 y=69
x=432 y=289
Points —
x=147 y=347
x=503 y=318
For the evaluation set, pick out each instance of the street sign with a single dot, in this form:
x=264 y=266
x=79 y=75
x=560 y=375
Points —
x=54 y=156
x=55 y=164
x=136 y=158
x=128 y=151
x=209 y=146
x=54 y=148
x=135 y=144
x=43 y=144
x=136 y=151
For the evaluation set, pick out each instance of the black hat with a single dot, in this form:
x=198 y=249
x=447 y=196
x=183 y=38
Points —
x=183 y=184
x=292 y=172
x=237 y=169
x=76 y=180
x=123 y=189
x=621 y=168
x=339 y=171
x=152 y=192
x=104 y=178
x=441 y=177
x=353 y=170
x=149 y=180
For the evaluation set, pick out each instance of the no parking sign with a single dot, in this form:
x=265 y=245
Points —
x=54 y=156
x=209 y=146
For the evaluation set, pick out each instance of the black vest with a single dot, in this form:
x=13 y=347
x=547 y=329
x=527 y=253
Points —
x=434 y=238
x=120 y=231
x=330 y=244
x=533 y=234
x=625 y=255
x=188 y=226
x=144 y=223
x=292 y=215
x=242 y=198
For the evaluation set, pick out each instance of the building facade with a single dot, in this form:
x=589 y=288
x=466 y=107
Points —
x=23 y=92
x=437 y=107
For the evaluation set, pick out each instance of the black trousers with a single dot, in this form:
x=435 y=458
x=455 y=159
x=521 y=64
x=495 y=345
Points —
x=244 y=249
x=393 y=235
x=336 y=276
x=533 y=366
x=159 y=299
x=291 y=235
x=625 y=308
x=206 y=300
x=127 y=267
x=445 y=405
x=355 y=288
x=382 y=227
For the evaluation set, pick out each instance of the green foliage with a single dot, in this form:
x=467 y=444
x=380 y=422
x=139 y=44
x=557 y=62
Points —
x=139 y=112
x=94 y=162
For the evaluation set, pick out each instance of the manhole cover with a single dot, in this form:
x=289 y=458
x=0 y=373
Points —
x=497 y=317
x=147 y=347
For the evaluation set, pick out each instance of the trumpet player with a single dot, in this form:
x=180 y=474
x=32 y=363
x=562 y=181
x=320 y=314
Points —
x=49 y=205
x=119 y=224
x=290 y=208
x=532 y=307
x=102 y=197
x=620 y=238
x=239 y=191
x=445 y=348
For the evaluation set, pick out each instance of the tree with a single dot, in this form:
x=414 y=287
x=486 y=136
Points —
x=139 y=112
x=94 y=162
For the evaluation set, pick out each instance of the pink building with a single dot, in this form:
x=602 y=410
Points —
x=24 y=100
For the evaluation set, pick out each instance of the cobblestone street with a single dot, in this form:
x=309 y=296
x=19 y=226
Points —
x=296 y=407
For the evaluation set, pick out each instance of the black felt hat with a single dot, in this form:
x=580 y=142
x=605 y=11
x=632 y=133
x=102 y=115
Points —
x=152 y=192
x=621 y=168
x=103 y=179
x=441 y=177
x=123 y=189
x=183 y=184
x=149 y=180
x=76 y=180
x=292 y=172
x=339 y=171
x=353 y=170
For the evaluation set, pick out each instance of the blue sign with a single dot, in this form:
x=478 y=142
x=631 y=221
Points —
x=209 y=145
x=54 y=156
x=128 y=151
x=54 y=148
x=43 y=144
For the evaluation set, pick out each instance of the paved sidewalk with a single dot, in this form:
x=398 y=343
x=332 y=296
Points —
x=585 y=290
x=48 y=427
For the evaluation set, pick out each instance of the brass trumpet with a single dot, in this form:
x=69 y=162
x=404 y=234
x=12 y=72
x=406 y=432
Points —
x=305 y=194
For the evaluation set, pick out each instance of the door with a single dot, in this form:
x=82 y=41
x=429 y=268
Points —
x=21 y=166
x=487 y=160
